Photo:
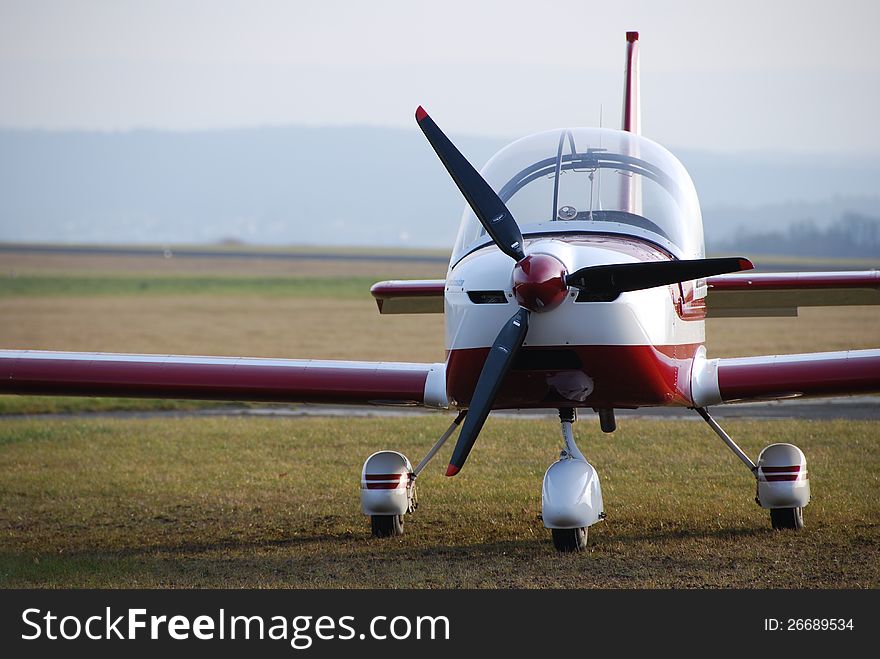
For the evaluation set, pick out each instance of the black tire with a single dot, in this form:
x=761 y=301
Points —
x=787 y=518
x=568 y=540
x=386 y=526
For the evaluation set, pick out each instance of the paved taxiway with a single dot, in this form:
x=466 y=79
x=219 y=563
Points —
x=293 y=255
x=864 y=408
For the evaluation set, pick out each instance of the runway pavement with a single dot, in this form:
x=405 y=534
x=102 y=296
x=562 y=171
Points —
x=865 y=408
x=328 y=255
x=207 y=253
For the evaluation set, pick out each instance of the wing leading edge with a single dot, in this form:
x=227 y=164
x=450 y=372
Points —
x=776 y=377
x=781 y=293
x=409 y=296
x=221 y=378
x=728 y=296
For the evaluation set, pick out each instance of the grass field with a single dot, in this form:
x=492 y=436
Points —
x=280 y=308
x=176 y=285
x=270 y=503
x=274 y=502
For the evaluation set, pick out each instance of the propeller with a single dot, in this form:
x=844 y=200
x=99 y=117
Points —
x=498 y=363
x=540 y=281
x=622 y=277
x=487 y=206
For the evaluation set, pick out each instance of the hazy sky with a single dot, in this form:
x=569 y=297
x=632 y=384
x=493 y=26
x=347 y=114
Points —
x=800 y=76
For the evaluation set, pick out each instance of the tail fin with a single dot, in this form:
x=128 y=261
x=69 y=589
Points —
x=632 y=120
x=630 y=188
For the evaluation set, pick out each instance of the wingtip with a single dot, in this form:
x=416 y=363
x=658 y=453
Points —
x=745 y=264
x=420 y=113
x=452 y=470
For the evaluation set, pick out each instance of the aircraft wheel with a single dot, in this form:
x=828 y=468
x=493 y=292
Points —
x=787 y=518
x=385 y=526
x=569 y=539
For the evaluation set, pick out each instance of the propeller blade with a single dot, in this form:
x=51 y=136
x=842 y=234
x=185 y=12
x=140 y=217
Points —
x=498 y=362
x=622 y=277
x=487 y=205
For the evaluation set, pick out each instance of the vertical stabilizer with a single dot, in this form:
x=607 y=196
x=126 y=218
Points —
x=630 y=189
x=632 y=120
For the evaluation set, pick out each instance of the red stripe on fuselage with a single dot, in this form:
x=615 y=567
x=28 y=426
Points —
x=620 y=376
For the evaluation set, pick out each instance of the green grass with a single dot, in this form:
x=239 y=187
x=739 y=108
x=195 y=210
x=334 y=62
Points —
x=134 y=285
x=244 y=502
x=77 y=404
x=325 y=250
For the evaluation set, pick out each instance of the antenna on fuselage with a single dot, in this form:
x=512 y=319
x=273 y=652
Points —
x=599 y=171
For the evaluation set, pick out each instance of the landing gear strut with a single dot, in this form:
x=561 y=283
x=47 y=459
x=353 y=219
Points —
x=781 y=475
x=388 y=486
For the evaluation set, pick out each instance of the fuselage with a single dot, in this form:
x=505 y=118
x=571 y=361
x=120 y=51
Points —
x=635 y=350
x=586 y=197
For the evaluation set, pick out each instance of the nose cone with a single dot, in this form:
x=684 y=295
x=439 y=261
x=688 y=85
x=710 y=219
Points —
x=539 y=282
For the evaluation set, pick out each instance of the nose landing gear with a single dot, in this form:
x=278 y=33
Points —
x=571 y=497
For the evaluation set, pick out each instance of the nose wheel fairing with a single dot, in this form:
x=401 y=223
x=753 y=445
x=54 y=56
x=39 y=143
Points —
x=571 y=496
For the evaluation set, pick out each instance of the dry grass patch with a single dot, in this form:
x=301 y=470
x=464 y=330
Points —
x=255 y=502
x=84 y=265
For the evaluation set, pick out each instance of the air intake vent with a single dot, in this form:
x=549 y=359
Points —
x=588 y=296
x=487 y=297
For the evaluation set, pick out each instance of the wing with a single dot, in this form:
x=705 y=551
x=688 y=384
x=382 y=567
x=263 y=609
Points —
x=773 y=377
x=727 y=296
x=781 y=293
x=410 y=296
x=221 y=378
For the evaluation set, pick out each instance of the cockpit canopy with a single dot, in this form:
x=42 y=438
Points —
x=592 y=180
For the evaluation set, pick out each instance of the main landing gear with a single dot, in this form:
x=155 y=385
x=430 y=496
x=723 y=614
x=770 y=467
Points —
x=781 y=475
x=571 y=496
x=388 y=486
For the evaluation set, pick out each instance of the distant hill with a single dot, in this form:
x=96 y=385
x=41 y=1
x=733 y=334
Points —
x=729 y=224
x=358 y=186
x=852 y=236
x=341 y=186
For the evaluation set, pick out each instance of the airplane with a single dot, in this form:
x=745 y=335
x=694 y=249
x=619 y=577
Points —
x=578 y=281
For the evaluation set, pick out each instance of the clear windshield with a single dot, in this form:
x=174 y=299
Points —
x=592 y=180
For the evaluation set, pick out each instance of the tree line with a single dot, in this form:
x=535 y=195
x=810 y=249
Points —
x=853 y=235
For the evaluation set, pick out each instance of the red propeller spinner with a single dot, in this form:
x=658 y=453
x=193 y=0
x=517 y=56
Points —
x=539 y=282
